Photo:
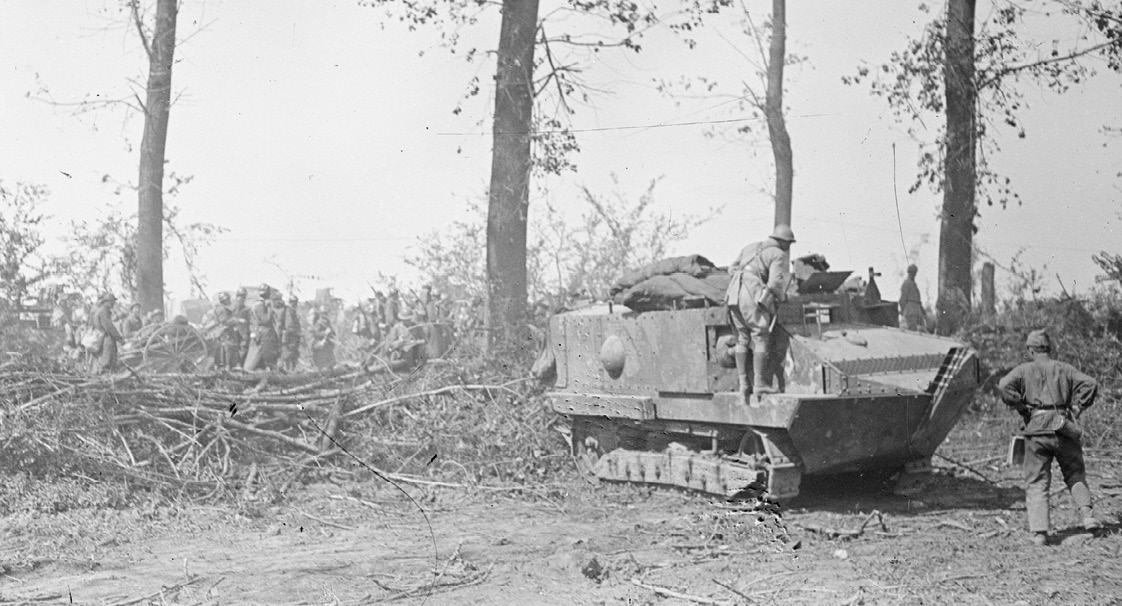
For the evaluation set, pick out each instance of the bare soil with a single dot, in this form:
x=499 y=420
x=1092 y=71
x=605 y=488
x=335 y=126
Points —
x=947 y=538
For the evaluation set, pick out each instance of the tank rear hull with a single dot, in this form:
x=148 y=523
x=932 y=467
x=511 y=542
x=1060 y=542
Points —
x=856 y=397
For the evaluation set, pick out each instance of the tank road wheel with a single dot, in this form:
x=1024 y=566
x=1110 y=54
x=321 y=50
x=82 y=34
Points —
x=175 y=348
x=592 y=438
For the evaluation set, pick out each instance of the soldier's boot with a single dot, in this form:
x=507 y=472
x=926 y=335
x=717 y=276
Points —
x=1090 y=522
x=761 y=383
x=740 y=354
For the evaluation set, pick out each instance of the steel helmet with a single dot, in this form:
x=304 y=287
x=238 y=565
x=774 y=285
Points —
x=1038 y=338
x=783 y=232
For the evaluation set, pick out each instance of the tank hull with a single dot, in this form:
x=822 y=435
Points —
x=856 y=397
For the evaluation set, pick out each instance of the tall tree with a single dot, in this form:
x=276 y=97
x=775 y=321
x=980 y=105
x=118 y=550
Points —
x=957 y=218
x=977 y=80
x=527 y=137
x=511 y=163
x=159 y=44
x=773 y=110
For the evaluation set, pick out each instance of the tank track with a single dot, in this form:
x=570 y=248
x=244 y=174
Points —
x=616 y=453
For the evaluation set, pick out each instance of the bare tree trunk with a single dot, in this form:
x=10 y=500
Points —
x=957 y=230
x=510 y=177
x=773 y=109
x=157 y=109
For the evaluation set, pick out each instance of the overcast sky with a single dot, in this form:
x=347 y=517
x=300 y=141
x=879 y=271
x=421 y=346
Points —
x=322 y=136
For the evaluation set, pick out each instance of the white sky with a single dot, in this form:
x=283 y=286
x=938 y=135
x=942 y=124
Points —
x=325 y=142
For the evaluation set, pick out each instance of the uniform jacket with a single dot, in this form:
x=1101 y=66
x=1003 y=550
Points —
x=909 y=294
x=1049 y=390
x=103 y=321
x=760 y=269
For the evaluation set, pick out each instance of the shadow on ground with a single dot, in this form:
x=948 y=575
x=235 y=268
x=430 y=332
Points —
x=914 y=494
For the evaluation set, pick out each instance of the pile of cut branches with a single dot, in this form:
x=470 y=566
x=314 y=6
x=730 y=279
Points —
x=221 y=435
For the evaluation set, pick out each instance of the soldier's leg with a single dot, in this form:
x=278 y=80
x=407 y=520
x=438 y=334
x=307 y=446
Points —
x=760 y=324
x=1069 y=454
x=740 y=352
x=1038 y=477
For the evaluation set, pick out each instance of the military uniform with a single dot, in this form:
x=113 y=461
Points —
x=290 y=336
x=264 y=344
x=323 y=342
x=240 y=316
x=1050 y=395
x=404 y=341
x=759 y=281
x=110 y=337
x=911 y=305
x=224 y=332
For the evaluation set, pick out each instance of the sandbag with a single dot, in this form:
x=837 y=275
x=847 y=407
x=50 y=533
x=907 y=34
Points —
x=694 y=265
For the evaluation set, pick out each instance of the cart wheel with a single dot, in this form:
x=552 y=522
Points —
x=175 y=348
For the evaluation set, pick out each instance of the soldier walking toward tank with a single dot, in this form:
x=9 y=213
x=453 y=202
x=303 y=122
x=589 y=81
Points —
x=110 y=337
x=760 y=275
x=1050 y=396
x=911 y=305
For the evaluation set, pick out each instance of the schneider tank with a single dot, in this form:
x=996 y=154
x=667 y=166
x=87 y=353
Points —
x=652 y=395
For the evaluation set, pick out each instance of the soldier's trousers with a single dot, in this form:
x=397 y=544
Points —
x=1039 y=452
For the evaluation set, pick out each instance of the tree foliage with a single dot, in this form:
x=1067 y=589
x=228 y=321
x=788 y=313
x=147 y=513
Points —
x=570 y=257
x=1009 y=64
x=21 y=219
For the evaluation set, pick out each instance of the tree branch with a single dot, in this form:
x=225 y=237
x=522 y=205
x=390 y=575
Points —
x=1012 y=69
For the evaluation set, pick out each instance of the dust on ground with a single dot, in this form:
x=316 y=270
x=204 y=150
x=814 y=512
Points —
x=952 y=537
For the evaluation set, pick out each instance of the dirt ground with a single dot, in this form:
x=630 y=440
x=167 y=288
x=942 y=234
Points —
x=948 y=538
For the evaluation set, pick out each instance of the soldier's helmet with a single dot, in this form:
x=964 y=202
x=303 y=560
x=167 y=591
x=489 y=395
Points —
x=1039 y=339
x=783 y=232
x=912 y=269
x=106 y=297
x=223 y=297
x=241 y=293
x=292 y=299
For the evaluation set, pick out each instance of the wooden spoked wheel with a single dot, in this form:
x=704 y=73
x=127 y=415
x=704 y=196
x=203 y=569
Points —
x=175 y=348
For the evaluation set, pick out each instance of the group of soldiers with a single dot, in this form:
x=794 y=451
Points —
x=401 y=329
x=1049 y=395
x=268 y=334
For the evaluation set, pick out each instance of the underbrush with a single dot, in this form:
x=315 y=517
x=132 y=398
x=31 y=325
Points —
x=117 y=441
x=1084 y=333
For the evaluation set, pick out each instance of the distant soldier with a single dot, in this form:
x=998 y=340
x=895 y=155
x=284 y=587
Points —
x=240 y=316
x=404 y=341
x=225 y=333
x=264 y=344
x=110 y=336
x=911 y=305
x=290 y=335
x=760 y=274
x=133 y=322
x=391 y=308
x=323 y=341
x=1050 y=396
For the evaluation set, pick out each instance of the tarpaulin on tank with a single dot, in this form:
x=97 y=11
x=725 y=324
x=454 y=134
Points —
x=675 y=283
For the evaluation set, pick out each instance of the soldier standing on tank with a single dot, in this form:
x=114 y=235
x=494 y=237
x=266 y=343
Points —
x=911 y=305
x=760 y=275
x=110 y=337
x=1050 y=396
